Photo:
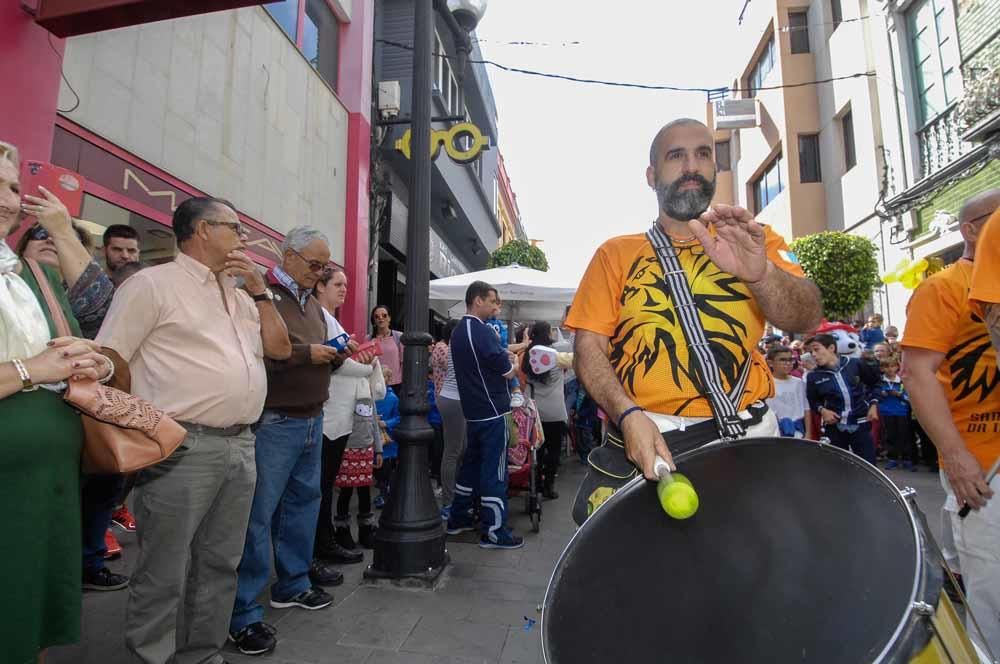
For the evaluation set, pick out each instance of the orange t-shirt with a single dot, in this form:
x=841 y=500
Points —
x=623 y=297
x=985 y=287
x=939 y=318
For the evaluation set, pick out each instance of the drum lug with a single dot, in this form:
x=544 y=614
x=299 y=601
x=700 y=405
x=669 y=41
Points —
x=908 y=492
x=923 y=609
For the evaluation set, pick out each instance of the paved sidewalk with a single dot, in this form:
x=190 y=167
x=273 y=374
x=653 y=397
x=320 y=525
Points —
x=484 y=612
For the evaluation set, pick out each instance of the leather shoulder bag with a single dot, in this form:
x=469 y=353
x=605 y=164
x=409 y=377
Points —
x=122 y=433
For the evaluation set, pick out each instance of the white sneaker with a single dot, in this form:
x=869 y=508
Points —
x=516 y=400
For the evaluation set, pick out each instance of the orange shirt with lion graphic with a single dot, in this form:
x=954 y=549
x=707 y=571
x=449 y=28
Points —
x=623 y=296
x=940 y=318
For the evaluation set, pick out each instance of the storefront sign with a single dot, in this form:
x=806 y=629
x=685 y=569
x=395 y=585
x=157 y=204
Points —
x=449 y=138
x=131 y=182
x=66 y=18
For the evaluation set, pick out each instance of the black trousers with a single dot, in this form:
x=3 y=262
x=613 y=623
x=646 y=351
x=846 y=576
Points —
x=333 y=454
x=344 y=501
x=551 y=450
x=897 y=436
x=928 y=450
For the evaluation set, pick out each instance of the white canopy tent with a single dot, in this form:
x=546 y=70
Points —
x=527 y=294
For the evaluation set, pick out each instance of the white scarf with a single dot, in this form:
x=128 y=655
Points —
x=23 y=328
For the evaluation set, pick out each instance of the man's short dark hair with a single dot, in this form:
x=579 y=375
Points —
x=193 y=209
x=478 y=289
x=824 y=340
x=775 y=351
x=119 y=230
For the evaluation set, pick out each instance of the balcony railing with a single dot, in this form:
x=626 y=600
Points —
x=941 y=142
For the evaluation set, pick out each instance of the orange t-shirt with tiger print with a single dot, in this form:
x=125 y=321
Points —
x=985 y=286
x=940 y=318
x=623 y=296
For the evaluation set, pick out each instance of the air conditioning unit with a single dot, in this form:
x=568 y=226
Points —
x=910 y=221
x=735 y=113
x=388 y=99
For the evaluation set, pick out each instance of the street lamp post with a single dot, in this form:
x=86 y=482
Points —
x=410 y=542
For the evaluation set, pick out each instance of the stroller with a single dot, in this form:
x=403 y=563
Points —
x=522 y=461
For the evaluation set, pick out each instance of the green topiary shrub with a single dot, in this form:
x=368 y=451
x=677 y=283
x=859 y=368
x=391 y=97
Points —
x=844 y=267
x=522 y=253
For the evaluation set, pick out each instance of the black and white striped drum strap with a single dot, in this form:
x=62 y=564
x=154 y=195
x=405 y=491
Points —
x=725 y=406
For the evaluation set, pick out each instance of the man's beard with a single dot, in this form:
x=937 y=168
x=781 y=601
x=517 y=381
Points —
x=689 y=204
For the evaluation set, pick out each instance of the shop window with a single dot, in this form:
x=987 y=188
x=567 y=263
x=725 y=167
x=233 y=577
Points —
x=156 y=241
x=768 y=185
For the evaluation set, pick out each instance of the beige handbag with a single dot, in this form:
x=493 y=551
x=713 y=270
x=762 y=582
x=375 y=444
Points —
x=122 y=433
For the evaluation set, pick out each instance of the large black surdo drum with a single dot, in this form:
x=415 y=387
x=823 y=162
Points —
x=799 y=552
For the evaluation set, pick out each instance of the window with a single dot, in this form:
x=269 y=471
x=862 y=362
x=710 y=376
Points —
x=286 y=13
x=723 y=157
x=847 y=126
x=933 y=49
x=809 y=168
x=765 y=63
x=321 y=40
x=453 y=95
x=768 y=185
x=798 y=31
x=836 y=13
x=441 y=69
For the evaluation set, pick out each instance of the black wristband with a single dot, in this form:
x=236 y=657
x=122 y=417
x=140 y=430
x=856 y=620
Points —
x=628 y=411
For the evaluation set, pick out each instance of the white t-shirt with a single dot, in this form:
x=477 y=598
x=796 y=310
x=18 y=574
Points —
x=789 y=400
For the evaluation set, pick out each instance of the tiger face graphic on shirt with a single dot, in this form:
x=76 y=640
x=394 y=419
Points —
x=940 y=318
x=623 y=296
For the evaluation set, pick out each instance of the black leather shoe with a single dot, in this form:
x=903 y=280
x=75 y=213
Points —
x=331 y=552
x=322 y=574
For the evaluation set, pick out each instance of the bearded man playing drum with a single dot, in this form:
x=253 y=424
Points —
x=950 y=371
x=661 y=380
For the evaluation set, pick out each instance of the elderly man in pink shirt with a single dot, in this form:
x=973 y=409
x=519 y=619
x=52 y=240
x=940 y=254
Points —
x=194 y=345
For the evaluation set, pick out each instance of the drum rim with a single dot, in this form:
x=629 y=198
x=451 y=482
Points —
x=902 y=494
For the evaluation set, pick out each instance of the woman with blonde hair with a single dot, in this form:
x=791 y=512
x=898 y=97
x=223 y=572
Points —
x=42 y=436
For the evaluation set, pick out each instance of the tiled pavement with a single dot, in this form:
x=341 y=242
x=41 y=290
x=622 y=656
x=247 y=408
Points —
x=482 y=612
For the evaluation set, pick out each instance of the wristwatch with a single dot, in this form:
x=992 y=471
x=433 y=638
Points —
x=266 y=296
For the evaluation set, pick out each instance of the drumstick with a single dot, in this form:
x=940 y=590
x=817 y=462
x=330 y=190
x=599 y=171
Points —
x=964 y=512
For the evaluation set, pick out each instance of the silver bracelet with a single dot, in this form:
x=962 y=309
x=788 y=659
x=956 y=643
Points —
x=111 y=370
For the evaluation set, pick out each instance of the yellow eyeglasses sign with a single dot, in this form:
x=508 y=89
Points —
x=449 y=139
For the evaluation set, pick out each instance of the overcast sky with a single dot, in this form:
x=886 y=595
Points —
x=576 y=154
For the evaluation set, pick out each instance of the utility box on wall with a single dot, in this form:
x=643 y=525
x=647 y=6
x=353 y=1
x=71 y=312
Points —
x=735 y=113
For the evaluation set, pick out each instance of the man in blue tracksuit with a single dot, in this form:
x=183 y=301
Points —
x=482 y=369
x=842 y=391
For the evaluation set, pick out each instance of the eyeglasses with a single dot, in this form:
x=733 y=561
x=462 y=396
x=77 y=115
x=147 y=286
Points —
x=38 y=233
x=314 y=266
x=237 y=227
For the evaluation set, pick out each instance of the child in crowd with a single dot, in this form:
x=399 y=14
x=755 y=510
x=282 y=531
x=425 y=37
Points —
x=789 y=402
x=361 y=457
x=516 y=393
x=437 y=446
x=586 y=422
x=895 y=413
x=871 y=333
x=388 y=419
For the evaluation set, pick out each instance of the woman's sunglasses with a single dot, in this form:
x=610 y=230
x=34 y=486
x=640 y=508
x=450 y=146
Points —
x=38 y=233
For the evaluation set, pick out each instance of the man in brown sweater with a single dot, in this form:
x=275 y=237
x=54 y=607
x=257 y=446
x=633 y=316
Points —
x=289 y=447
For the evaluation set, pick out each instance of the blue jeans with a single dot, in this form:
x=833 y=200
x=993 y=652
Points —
x=484 y=473
x=284 y=513
x=858 y=441
x=98 y=500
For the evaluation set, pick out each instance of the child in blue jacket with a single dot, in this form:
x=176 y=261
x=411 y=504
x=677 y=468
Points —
x=843 y=392
x=388 y=420
x=895 y=412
